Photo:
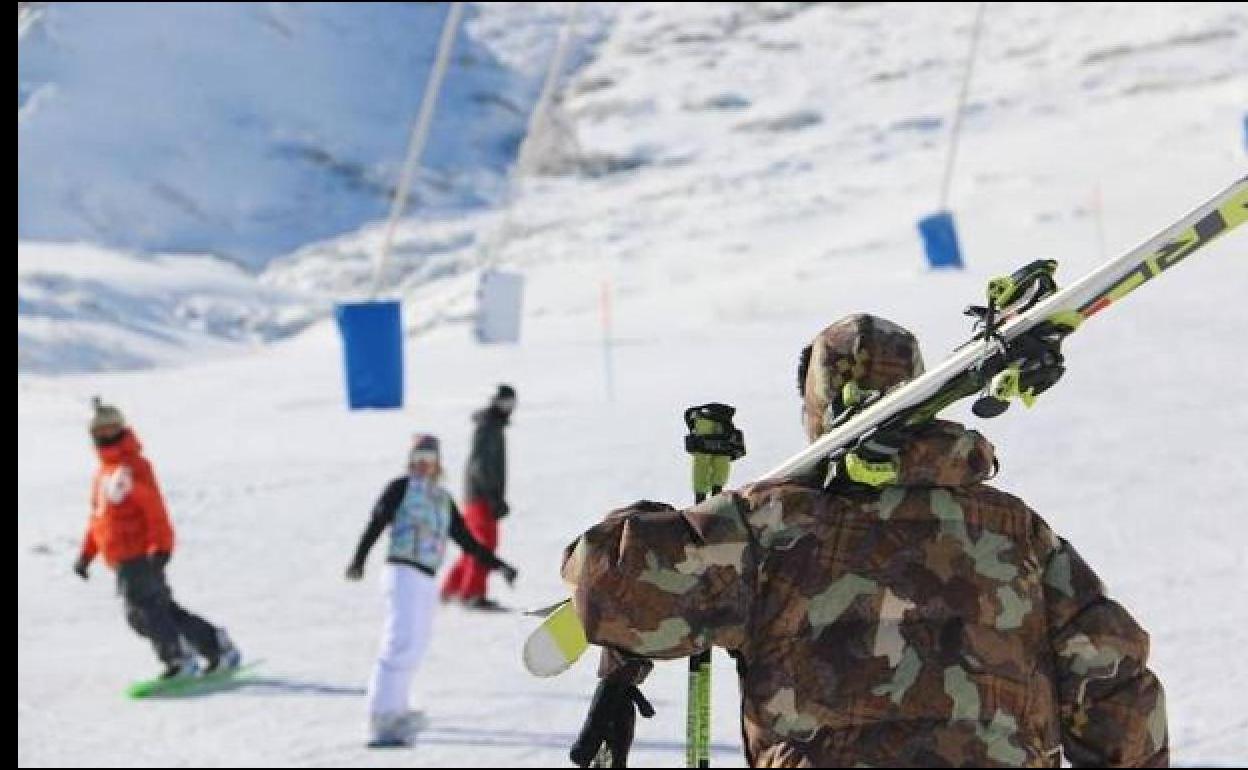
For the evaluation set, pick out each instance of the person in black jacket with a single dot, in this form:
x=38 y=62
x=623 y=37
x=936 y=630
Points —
x=421 y=516
x=485 y=500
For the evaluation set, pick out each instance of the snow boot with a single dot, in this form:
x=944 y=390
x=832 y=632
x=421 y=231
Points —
x=228 y=656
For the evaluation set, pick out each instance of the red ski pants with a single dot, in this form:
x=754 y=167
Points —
x=466 y=579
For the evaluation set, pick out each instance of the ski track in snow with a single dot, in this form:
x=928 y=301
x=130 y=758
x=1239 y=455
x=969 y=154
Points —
x=726 y=251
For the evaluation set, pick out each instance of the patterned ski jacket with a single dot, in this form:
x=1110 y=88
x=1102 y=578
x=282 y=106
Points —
x=421 y=517
x=937 y=621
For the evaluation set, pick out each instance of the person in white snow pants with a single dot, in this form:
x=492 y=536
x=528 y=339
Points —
x=421 y=516
x=411 y=596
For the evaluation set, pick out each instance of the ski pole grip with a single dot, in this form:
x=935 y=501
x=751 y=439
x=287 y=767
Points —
x=713 y=442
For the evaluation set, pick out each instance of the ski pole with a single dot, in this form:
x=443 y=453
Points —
x=713 y=443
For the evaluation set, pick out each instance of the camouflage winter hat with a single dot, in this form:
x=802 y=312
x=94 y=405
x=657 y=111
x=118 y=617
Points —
x=871 y=352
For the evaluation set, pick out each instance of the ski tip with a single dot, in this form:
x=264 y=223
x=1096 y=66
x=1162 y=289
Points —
x=545 y=611
x=556 y=644
x=543 y=665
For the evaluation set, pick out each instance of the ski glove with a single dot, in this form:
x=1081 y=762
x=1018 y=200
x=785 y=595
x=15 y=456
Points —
x=608 y=728
x=160 y=559
x=80 y=567
x=508 y=572
x=355 y=571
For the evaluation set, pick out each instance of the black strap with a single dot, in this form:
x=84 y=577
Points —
x=727 y=445
x=727 y=442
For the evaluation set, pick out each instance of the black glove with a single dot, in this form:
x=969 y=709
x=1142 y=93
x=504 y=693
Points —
x=612 y=715
x=508 y=572
x=80 y=567
x=500 y=510
x=355 y=571
x=161 y=559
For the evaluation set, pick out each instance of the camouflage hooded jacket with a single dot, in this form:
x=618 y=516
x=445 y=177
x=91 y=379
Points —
x=938 y=621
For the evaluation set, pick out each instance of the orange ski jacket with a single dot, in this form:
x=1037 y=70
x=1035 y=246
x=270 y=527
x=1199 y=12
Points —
x=128 y=518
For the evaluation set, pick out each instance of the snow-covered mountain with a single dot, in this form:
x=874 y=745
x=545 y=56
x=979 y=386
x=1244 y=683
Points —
x=239 y=132
x=246 y=130
x=688 y=141
x=705 y=141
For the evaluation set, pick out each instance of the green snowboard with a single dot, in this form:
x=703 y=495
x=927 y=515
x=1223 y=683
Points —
x=189 y=685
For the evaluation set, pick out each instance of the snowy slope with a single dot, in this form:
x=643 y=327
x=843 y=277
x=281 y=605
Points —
x=83 y=307
x=270 y=481
x=740 y=231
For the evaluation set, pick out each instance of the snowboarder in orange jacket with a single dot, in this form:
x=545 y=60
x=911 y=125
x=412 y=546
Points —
x=130 y=528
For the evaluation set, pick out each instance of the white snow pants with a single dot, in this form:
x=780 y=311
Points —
x=411 y=600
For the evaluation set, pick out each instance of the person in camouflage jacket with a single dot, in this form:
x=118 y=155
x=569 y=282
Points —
x=929 y=620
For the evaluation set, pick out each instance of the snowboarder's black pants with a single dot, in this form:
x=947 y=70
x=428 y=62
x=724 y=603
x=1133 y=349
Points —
x=152 y=612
